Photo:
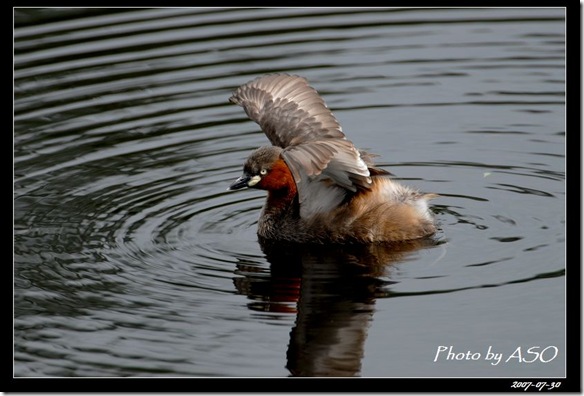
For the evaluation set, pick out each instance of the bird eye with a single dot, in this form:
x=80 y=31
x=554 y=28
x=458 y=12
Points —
x=263 y=172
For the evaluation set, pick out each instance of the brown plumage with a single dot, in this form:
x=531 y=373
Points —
x=321 y=189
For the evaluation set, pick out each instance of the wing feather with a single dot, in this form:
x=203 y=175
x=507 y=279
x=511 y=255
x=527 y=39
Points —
x=277 y=101
x=295 y=117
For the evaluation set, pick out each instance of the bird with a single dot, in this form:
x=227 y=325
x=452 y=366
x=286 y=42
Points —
x=320 y=188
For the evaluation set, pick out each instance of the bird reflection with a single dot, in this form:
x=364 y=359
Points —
x=332 y=290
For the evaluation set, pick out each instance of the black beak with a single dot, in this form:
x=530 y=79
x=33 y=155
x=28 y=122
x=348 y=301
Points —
x=239 y=183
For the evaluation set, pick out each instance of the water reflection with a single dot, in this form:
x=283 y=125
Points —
x=332 y=291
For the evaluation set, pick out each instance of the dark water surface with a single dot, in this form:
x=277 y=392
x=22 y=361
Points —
x=132 y=259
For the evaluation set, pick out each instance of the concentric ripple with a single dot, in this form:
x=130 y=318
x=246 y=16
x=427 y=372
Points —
x=133 y=259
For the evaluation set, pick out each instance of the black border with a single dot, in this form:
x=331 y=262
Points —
x=571 y=383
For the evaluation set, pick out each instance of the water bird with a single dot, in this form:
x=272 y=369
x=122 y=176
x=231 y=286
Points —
x=321 y=188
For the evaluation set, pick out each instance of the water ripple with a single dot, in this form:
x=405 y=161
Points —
x=132 y=259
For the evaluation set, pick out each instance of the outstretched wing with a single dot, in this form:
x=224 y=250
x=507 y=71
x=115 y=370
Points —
x=288 y=110
x=294 y=116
